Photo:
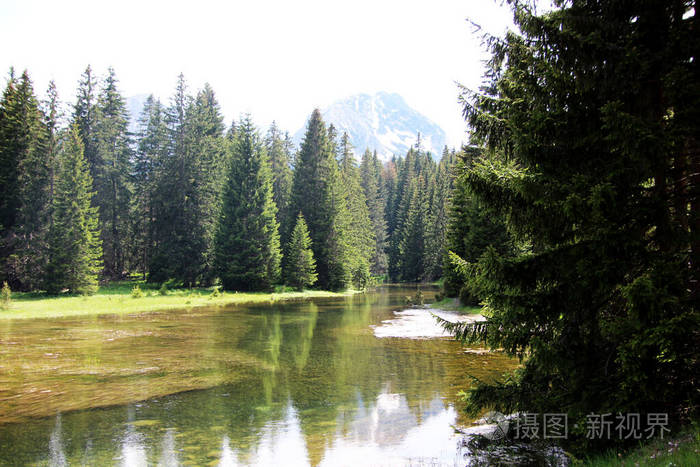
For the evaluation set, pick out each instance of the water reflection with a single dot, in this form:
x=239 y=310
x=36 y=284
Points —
x=295 y=384
x=382 y=432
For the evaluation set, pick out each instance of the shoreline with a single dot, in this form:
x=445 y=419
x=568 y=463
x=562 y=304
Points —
x=112 y=300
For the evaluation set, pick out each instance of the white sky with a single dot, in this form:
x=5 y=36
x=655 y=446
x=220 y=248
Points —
x=275 y=59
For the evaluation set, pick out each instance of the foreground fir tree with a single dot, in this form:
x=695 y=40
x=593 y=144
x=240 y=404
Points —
x=247 y=252
x=590 y=118
x=300 y=266
x=75 y=252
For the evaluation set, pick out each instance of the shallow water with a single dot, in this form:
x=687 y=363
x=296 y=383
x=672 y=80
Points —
x=330 y=382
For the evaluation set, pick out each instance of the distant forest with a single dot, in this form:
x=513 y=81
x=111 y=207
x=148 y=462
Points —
x=188 y=200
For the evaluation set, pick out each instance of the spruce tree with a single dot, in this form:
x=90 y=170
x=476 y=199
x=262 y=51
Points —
x=24 y=206
x=300 y=265
x=85 y=116
x=113 y=188
x=590 y=118
x=147 y=171
x=187 y=190
x=318 y=194
x=358 y=226
x=371 y=180
x=247 y=253
x=279 y=150
x=74 y=244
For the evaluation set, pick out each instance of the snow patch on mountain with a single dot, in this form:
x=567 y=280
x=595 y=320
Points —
x=383 y=122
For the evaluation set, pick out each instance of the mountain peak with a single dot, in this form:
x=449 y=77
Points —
x=383 y=122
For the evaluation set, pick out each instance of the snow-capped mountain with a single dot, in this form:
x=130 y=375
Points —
x=382 y=122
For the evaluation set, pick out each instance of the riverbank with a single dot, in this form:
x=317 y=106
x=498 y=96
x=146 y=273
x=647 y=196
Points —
x=453 y=304
x=117 y=298
x=682 y=449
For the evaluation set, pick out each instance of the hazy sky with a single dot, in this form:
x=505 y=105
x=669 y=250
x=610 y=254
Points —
x=275 y=59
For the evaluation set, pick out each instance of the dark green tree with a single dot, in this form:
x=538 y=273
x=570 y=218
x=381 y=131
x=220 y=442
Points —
x=472 y=229
x=85 y=116
x=186 y=196
x=437 y=221
x=590 y=120
x=300 y=266
x=147 y=172
x=24 y=206
x=371 y=180
x=74 y=243
x=279 y=150
x=358 y=227
x=247 y=253
x=111 y=175
x=317 y=193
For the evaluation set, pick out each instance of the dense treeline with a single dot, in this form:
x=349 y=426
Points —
x=575 y=214
x=189 y=201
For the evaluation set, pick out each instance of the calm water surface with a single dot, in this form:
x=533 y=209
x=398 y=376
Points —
x=332 y=382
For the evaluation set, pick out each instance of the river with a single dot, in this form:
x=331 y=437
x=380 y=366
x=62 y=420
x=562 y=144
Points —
x=347 y=381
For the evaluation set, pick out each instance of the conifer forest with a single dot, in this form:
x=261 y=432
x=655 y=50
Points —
x=192 y=200
x=183 y=289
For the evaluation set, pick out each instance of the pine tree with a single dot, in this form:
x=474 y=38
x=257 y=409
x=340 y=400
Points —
x=170 y=228
x=25 y=191
x=147 y=171
x=317 y=193
x=472 y=229
x=9 y=160
x=85 y=116
x=300 y=265
x=371 y=180
x=436 y=224
x=74 y=244
x=111 y=173
x=411 y=236
x=187 y=191
x=589 y=117
x=357 y=224
x=247 y=242
x=279 y=150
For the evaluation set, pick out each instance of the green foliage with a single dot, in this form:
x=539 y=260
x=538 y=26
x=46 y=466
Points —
x=26 y=172
x=247 y=253
x=589 y=123
x=5 y=296
x=318 y=193
x=74 y=245
x=357 y=225
x=371 y=180
x=471 y=229
x=111 y=170
x=186 y=194
x=279 y=149
x=136 y=292
x=300 y=265
x=163 y=289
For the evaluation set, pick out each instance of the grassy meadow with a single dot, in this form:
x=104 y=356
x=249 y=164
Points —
x=123 y=298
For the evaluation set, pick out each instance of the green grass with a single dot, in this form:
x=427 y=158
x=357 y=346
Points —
x=682 y=450
x=453 y=304
x=117 y=298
